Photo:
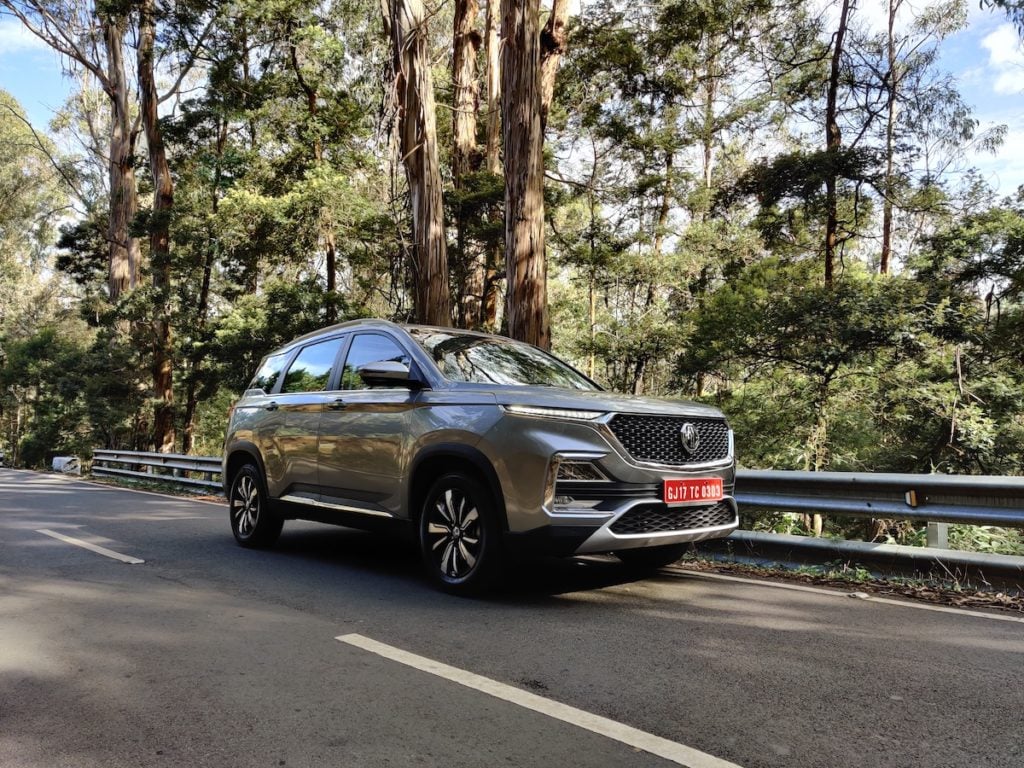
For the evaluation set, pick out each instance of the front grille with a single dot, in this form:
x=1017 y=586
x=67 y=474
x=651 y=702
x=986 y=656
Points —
x=658 y=439
x=658 y=518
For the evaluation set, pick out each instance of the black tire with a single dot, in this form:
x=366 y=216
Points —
x=651 y=558
x=459 y=535
x=252 y=522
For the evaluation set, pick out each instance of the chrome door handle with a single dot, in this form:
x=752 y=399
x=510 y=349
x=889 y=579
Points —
x=337 y=405
x=272 y=406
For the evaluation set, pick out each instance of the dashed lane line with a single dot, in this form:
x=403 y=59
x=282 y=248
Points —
x=632 y=737
x=91 y=547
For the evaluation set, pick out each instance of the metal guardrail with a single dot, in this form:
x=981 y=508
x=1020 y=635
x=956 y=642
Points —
x=156 y=466
x=964 y=499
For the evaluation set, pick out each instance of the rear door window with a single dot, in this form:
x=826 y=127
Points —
x=311 y=369
x=370 y=348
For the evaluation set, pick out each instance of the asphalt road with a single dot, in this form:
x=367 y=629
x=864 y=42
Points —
x=210 y=655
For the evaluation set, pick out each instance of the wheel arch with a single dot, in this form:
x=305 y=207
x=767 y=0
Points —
x=435 y=460
x=242 y=453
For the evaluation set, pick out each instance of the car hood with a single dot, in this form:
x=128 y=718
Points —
x=550 y=397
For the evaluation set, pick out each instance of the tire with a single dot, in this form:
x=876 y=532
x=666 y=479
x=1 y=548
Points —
x=651 y=558
x=252 y=522
x=459 y=535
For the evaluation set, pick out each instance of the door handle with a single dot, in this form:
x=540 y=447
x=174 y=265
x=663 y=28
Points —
x=337 y=405
x=272 y=406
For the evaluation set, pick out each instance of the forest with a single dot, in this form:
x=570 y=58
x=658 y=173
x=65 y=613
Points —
x=768 y=205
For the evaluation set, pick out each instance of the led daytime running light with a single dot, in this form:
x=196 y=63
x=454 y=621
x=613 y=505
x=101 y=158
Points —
x=553 y=413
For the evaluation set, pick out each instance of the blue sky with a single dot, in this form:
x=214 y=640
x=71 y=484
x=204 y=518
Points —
x=987 y=59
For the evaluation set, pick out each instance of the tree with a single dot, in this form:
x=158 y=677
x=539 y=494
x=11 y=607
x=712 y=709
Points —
x=523 y=139
x=413 y=94
x=92 y=37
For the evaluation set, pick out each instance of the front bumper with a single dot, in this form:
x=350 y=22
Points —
x=588 y=517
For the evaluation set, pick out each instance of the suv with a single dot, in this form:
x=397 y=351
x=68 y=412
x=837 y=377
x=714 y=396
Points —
x=480 y=444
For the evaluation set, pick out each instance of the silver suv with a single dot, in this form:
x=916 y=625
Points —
x=480 y=444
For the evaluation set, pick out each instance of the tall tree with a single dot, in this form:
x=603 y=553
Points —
x=465 y=157
x=92 y=37
x=159 y=232
x=833 y=142
x=406 y=24
x=523 y=138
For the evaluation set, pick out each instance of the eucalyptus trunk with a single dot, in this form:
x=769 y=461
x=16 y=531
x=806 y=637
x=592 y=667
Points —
x=159 y=235
x=523 y=134
x=124 y=253
x=492 y=156
x=465 y=157
x=406 y=24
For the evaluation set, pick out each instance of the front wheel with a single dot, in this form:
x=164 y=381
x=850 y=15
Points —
x=252 y=522
x=651 y=558
x=460 y=540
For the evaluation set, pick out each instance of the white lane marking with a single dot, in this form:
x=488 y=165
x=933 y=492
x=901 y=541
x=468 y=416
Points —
x=837 y=593
x=633 y=737
x=92 y=547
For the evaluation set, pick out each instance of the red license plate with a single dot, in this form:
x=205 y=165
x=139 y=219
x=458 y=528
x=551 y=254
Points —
x=690 y=491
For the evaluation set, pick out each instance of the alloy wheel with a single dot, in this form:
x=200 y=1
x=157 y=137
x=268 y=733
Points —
x=454 y=533
x=245 y=506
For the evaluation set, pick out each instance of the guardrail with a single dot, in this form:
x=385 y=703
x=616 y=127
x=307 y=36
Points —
x=964 y=499
x=156 y=466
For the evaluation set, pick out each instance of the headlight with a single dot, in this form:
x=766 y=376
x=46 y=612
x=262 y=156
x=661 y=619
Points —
x=553 y=413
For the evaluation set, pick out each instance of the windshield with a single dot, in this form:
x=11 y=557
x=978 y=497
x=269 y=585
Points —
x=493 y=360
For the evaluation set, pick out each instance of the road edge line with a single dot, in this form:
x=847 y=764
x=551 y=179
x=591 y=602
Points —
x=91 y=547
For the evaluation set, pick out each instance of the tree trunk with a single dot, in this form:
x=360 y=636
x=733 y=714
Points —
x=492 y=153
x=833 y=142
x=159 y=235
x=406 y=24
x=124 y=263
x=552 y=44
x=527 y=301
x=465 y=157
x=892 y=83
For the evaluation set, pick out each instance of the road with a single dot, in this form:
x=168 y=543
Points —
x=210 y=655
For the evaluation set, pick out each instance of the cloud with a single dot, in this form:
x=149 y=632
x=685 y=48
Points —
x=1005 y=59
x=14 y=38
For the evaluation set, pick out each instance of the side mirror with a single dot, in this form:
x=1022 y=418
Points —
x=388 y=373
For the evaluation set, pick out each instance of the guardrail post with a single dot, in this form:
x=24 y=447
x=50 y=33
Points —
x=938 y=535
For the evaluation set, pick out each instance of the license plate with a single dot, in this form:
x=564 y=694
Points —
x=690 y=491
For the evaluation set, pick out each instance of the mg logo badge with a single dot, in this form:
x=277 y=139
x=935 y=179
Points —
x=690 y=438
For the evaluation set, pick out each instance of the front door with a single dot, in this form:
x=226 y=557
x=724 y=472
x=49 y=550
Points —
x=364 y=432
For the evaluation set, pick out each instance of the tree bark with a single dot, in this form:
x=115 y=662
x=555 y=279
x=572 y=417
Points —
x=553 y=44
x=523 y=135
x=833 y=142
x=406 y=24
x=125 y=256
x=465 y=157
x=159 y=234
x=492 y=154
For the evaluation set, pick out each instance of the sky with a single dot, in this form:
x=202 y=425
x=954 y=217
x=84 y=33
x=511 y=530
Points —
x=987 y=59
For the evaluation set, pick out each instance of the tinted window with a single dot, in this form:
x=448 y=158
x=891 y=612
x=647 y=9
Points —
x=312 y=368
x=266 y=376
x=369 y=348
x=492 y=360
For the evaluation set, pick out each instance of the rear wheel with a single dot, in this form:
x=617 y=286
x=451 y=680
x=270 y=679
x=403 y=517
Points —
x=650 y=558
x=252 y=522
x=460 y=540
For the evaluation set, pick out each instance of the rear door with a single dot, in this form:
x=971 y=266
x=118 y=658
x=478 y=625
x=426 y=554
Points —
x=289 y=435
x=364 y=433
